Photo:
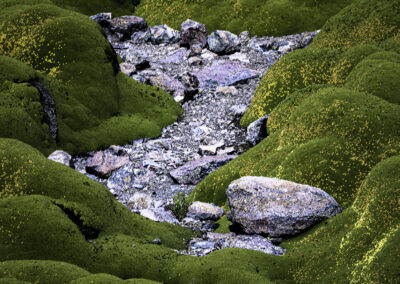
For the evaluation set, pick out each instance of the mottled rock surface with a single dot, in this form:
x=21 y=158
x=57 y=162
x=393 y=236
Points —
x=60 y=156
x=205 y=211
x=262 y=205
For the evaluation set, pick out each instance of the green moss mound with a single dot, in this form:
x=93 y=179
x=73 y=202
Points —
x=379 y=75
x=96 y=106
x=273 y=17
x=47 y=271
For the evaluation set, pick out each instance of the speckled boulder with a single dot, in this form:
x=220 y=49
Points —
x=263 y=205
x=205 y=211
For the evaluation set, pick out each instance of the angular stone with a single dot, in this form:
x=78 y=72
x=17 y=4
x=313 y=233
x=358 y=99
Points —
x=141 y=36
x=223 y=73
x=193 y=33
x=226 y=90
x=103 y=165
x=211 y=149
x=257 y=130
x=137 y=58
x=194 y=171
x=170 y=85
x=127 y=25
x=205 y=211
x=159 y=215
x=103 y=19
x=164 y=34
x=177 y=57
x=244 y=38
x=263 y=205
x=223 y=42
x=190 y=83
x=121 y=179
x=60 y=156
x=127 y=68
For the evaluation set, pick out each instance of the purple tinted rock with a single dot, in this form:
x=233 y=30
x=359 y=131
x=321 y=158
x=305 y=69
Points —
x=279 y=208
x=194 y=171
x=170 y=85
x=193 y=33
x=141 y=36
x=177 y=57
x=103 y=165
x=223 y=73
x=103 y=19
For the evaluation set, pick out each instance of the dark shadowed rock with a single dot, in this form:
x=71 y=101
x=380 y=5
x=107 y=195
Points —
x=194 y=171
x=60 y=157
x=102 y=164
x=223 y=42
x=164 y=34
x=257 y=130
x=190 y=83
x=223 y=73
x=263 y=205
x=205 y=211
x=193 y=33
x=103 y=19
x=127 y=25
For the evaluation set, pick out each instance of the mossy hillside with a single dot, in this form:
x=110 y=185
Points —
x=35 y=193
x=273 y=17
x=357 y=31
x=77 y=63
x=46 y=271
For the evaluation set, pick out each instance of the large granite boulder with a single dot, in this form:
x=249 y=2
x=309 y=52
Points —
x=127 y=25
x=205 y=211
x=223 y=42
x=223 y=73
x=193 y=34
x=194 y=171
x=263 y=205
x=164 y=34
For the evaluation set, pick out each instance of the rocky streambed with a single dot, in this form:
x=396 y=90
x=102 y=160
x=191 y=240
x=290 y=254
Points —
x=214 y=78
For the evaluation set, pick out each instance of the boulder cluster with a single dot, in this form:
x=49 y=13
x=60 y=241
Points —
x=213 y=77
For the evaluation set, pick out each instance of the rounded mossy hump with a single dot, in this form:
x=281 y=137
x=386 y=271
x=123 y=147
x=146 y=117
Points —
x=99 y=278
x=377 y=75
x=6 y=280
x=366 y=122
x=297 y=70
x=281 y=113
x=325 y=163
x=391 y=44
x=33 y=227
x=349 y=59
x=378 y=214
x=381 y=263
x=140 y=281
x=16 y=71
x=21 y=111
x=362 y=21
x=42 y=271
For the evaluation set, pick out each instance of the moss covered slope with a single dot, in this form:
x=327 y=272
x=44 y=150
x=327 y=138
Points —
x=334 y=123
x=96 y=105
x=271 y=17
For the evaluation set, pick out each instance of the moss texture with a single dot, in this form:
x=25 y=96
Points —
x=72 y=57
x=272 y=17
